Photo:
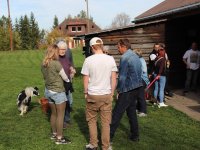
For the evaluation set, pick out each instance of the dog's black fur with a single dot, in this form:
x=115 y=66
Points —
x=24 y=99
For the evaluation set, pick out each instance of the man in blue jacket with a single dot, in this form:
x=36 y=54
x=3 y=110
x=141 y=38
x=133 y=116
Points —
x=129 y=83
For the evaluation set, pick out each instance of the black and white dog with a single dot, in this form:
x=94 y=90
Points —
x=24 y=99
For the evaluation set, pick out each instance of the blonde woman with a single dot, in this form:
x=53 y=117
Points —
x=54 y=75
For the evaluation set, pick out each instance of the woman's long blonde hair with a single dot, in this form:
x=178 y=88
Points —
x=51 y=54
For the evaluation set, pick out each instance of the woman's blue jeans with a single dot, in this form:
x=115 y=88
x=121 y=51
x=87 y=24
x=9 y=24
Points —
x=159 y=88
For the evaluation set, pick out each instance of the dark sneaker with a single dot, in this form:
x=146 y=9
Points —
x=53 y=137
x=90 y=147
x=62 y=141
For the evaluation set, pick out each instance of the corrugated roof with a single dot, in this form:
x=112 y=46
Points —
x=124 y=27
x=165 y=6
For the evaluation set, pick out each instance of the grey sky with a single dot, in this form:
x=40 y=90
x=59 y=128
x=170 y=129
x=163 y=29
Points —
x=102 y=11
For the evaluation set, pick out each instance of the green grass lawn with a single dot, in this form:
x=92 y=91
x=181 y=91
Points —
x=163 y=129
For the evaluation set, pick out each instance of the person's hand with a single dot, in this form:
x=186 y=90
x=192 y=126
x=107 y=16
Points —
x=150 y=75
x=168 y=64
x=85 y=95
x=157 y=77
x=117 y=96
x=188 y=66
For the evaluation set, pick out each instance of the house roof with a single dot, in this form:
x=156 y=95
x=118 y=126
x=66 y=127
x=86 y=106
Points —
x=168 y=7
x=76 y=21
x=80 y=21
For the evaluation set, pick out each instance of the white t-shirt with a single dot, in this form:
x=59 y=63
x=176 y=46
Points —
x=193 y=59
x=153 y=56
x=99 y=68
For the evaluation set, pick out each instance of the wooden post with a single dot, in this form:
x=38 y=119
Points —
x=10 y=27
x=88 y=20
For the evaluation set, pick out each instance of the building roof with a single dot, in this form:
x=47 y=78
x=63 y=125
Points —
x=123 y=28
x=168 y=7
x=79 y=21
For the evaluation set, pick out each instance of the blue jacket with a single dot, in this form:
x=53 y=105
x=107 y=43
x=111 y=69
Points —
x=144 y=71
x=129 y=72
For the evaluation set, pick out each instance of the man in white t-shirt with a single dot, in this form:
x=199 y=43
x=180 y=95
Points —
x=191 y=59
x=99 y=77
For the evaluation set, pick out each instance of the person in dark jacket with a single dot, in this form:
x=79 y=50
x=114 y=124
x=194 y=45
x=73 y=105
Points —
x=151 y=66
x=66 y=60
x=160 y=75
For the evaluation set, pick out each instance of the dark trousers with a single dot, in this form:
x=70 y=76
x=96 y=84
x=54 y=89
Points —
x=192 y=79
x=67 y=112
x=141 y=102
x=126 y=102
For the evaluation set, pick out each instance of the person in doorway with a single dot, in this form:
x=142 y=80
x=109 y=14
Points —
x=128 y=87
x=191 y=59
x=99 y=78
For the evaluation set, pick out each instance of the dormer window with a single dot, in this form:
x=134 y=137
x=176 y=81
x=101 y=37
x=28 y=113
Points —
x=73 y=29
x=79 y=29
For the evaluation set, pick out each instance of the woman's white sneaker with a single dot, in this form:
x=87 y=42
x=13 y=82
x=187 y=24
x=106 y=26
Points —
x=162 y=105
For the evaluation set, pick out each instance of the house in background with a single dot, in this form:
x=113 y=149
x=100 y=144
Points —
x=173 y=22
x=74 y=27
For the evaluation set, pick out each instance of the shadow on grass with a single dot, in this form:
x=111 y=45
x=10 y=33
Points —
x=79 y=117
x=33 y=106
x=124 y=128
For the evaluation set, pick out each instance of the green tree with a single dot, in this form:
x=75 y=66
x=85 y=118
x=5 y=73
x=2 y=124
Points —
x=82 y=14
x=69 y=16
x=42 y=34
x=17 y=40
x=25 y=31
x=16 y=26
x=34 y=32
x=4 y=33
x=54 y=35
x=55 y=22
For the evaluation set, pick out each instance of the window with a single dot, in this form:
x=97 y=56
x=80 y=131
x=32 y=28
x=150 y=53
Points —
x=79 y=29
x=73 y=29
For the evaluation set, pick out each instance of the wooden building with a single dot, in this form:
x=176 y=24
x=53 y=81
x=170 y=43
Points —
x=141 y=36
x=173 y=22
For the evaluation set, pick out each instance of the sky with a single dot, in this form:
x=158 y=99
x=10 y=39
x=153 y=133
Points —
x=102 y=11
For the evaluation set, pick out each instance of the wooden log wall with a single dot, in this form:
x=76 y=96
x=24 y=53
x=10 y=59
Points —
x=142 y=38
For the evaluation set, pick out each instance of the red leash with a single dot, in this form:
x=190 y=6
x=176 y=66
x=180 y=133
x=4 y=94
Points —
x=154 y=80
